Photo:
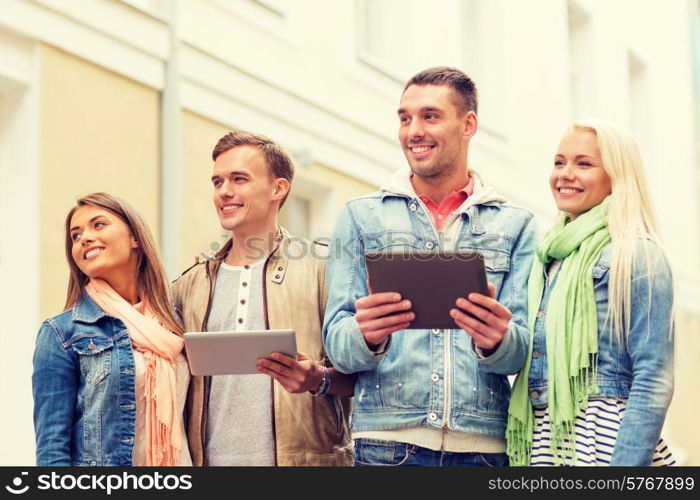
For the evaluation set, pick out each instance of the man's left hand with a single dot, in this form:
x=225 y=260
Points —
x=295 y=375
x=492 y=323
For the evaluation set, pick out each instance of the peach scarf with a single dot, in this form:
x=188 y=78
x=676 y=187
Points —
x=159 y=347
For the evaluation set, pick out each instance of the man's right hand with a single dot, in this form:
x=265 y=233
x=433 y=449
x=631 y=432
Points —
x=381 y=314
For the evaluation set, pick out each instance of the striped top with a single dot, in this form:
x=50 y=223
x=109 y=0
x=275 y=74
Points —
x=596 y=431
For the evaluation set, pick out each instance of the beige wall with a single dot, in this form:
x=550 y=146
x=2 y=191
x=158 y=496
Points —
x=201 y=231
x=685 y=408
x=99 y=132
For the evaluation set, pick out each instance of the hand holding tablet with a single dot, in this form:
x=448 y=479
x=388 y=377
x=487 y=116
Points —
x=295 y=375
x=430 y=281
x=484 y=318
x=436 y=290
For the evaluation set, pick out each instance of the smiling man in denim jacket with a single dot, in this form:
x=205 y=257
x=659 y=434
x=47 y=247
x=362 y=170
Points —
x=431 y=397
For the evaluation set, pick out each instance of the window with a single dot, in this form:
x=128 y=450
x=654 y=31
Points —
x=484 y=61
x=581 y=57
x=695 y=47
x=267 y=15
x=397 y=37
x=639 y=112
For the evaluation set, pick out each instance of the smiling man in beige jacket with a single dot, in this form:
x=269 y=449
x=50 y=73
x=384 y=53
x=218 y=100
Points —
x=295 y=411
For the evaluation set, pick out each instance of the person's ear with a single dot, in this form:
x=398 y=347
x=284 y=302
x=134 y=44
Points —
x=471 y=123
x=134 y=243
x=281 y=189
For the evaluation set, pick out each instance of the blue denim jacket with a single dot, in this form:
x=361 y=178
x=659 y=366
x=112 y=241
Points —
x=405 y=386
x=83 y=386
x=640 y=371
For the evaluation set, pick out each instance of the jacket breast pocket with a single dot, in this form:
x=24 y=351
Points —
x=95 y=355
x=497 y=265
x=495 y=249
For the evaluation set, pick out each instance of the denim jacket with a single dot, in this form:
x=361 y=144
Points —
x=83 y=386
x=431 y=378
x=640 y=370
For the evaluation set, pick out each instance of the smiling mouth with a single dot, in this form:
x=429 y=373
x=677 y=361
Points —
x=568 y=191
x=231 y=207
x=92 y=253
x=419 y=150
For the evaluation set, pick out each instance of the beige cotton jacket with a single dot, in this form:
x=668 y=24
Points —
x=308 y=430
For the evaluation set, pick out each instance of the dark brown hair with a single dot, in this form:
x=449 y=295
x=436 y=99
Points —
x=460 y=83
x=278 y=162
x=150 y=275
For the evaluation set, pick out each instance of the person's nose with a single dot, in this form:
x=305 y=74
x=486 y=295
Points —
x=415 y=130
x=567 y=171
x=87 y=238
x=227 y=189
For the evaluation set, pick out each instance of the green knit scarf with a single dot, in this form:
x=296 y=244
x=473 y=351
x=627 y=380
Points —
x=571 y=326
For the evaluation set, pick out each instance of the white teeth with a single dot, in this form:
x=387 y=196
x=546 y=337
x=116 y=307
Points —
x=568 y=190
x=421 y=149
x=230 y=207
x=92 y=252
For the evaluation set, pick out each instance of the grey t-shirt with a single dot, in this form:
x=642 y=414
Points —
x=239 y=425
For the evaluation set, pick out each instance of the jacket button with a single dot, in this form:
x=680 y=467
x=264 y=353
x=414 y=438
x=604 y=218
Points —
x=277 y=276
x=412 y=207
x=92 y=345
x=429 y=245
x=534 y=395
x=436 y=331
x=245 y=283
x=240 y=321
x=435 y=377
x=432 y=416
x=540 y=314
x=280 y=268
x=536 y=354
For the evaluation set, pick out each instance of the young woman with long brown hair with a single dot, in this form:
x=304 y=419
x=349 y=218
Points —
x=110 y=378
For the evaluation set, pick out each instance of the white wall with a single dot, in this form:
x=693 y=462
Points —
x=19 y=245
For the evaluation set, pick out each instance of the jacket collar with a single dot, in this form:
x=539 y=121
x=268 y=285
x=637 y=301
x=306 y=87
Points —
x=279 y=256
x=484 y=194
x=86 y=310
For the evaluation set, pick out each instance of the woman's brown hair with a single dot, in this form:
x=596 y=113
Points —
x=150 y=275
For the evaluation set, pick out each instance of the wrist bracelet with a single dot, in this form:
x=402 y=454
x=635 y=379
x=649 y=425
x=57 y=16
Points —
x=325 y=383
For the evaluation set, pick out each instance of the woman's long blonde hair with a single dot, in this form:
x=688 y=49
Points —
x=630 y=216
x=150 y=275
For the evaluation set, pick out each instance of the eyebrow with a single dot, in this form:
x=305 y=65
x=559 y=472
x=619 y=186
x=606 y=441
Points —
x=423 y=109
x=91 y=220
x=232 y=172
x=577 y=156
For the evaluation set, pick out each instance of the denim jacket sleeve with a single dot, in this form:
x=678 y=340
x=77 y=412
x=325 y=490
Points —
x=347 y=282
x=509 y=356
x=54 y=387
x=650 y=347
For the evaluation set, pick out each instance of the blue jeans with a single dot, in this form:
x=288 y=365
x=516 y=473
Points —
x=374 y=452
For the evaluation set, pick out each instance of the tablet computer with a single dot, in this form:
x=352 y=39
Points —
x=229 y=353
x=432 y=281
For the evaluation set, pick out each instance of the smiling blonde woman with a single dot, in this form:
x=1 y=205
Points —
x=600 y=301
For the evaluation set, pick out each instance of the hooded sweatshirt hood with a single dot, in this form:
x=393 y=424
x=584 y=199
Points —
x=484 y=194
